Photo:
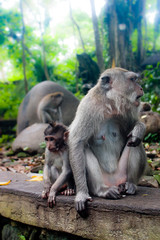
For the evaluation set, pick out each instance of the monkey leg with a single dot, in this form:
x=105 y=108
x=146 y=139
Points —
x=119 y=178
x=136 y=167
x=120 y=175
x=95 y=179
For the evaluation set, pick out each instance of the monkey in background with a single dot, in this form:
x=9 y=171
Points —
x=27 y=114
x=57 y=169
x=105 y=137
x=49 y=108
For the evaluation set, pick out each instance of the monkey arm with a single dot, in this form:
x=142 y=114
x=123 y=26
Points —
x=50 y=173
x=136 y=134
x=45 y=116
x=60 y=118
x=80 y=131
x=63 y=178
x=46 y=180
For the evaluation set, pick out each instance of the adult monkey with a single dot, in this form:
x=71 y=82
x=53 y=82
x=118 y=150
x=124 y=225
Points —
x=49 y=107
x=105 y=129
x=29 y=112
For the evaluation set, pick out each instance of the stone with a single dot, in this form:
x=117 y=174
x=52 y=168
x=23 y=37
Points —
x=30 y=139
x=132 y=217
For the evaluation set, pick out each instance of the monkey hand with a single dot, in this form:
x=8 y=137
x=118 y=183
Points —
x=52 y=199
x=45 y=194
x=133 y=141
x=81 y=201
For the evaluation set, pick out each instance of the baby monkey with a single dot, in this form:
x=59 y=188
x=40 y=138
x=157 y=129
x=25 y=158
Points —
x=57 y=170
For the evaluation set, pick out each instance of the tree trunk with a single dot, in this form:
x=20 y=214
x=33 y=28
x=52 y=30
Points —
x=44 y=54
x=113 y=34
x=77 y=26
x=97 y=38
x=141 y=9
x=156 y=26
x=23 y=48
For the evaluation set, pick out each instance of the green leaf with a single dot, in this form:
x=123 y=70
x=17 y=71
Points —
x=42 y=145
x=157 y=177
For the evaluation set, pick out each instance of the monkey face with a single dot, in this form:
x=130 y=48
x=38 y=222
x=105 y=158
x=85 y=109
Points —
x=56 y=136
x=54 y=144
x=121 y=83
x=135 y=91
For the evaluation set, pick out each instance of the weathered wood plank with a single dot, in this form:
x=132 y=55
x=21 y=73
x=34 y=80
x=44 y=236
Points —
x=134 y=217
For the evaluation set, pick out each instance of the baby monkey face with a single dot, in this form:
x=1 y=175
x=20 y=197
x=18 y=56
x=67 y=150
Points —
x=54 y=143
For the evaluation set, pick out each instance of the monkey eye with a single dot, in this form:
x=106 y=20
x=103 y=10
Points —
x=105 y=80
x=49 y=139
x=132 y=79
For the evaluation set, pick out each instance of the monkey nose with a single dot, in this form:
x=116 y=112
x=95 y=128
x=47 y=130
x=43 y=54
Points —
x=50 y=147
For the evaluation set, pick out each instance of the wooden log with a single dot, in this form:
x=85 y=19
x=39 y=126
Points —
x=132 y=217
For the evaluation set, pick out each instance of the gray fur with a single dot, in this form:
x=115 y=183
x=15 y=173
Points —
x=98 y=137
x=28 y=109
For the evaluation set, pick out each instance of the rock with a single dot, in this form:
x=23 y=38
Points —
x=30 y=138
x=151 y=120
x=148 y=181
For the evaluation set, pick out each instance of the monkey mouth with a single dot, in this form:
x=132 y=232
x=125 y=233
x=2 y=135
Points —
x=137 y=101
x=54 y=149
x=138 y=98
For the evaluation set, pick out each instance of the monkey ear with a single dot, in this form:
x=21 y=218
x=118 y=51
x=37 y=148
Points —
x=65 y=136
x=52 y=124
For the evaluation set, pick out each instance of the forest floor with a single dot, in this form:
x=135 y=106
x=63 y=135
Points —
x=31 y=165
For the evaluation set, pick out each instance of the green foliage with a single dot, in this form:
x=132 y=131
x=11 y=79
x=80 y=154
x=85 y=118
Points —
x=61 y=44
x=157 y=177
x=10 y=100
x=43 y=145
x=22 y=155
x=6 y=138
x=151 y=86
x=152 y=137
x=67 y=77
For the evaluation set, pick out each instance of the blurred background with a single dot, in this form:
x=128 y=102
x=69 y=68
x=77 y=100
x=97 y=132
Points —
x=70 y=42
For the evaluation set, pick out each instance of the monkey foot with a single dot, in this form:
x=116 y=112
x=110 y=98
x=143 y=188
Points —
x=122 y=188
x=127 y=188
x=112 y=193
x=68 y=192
x=130 y=188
